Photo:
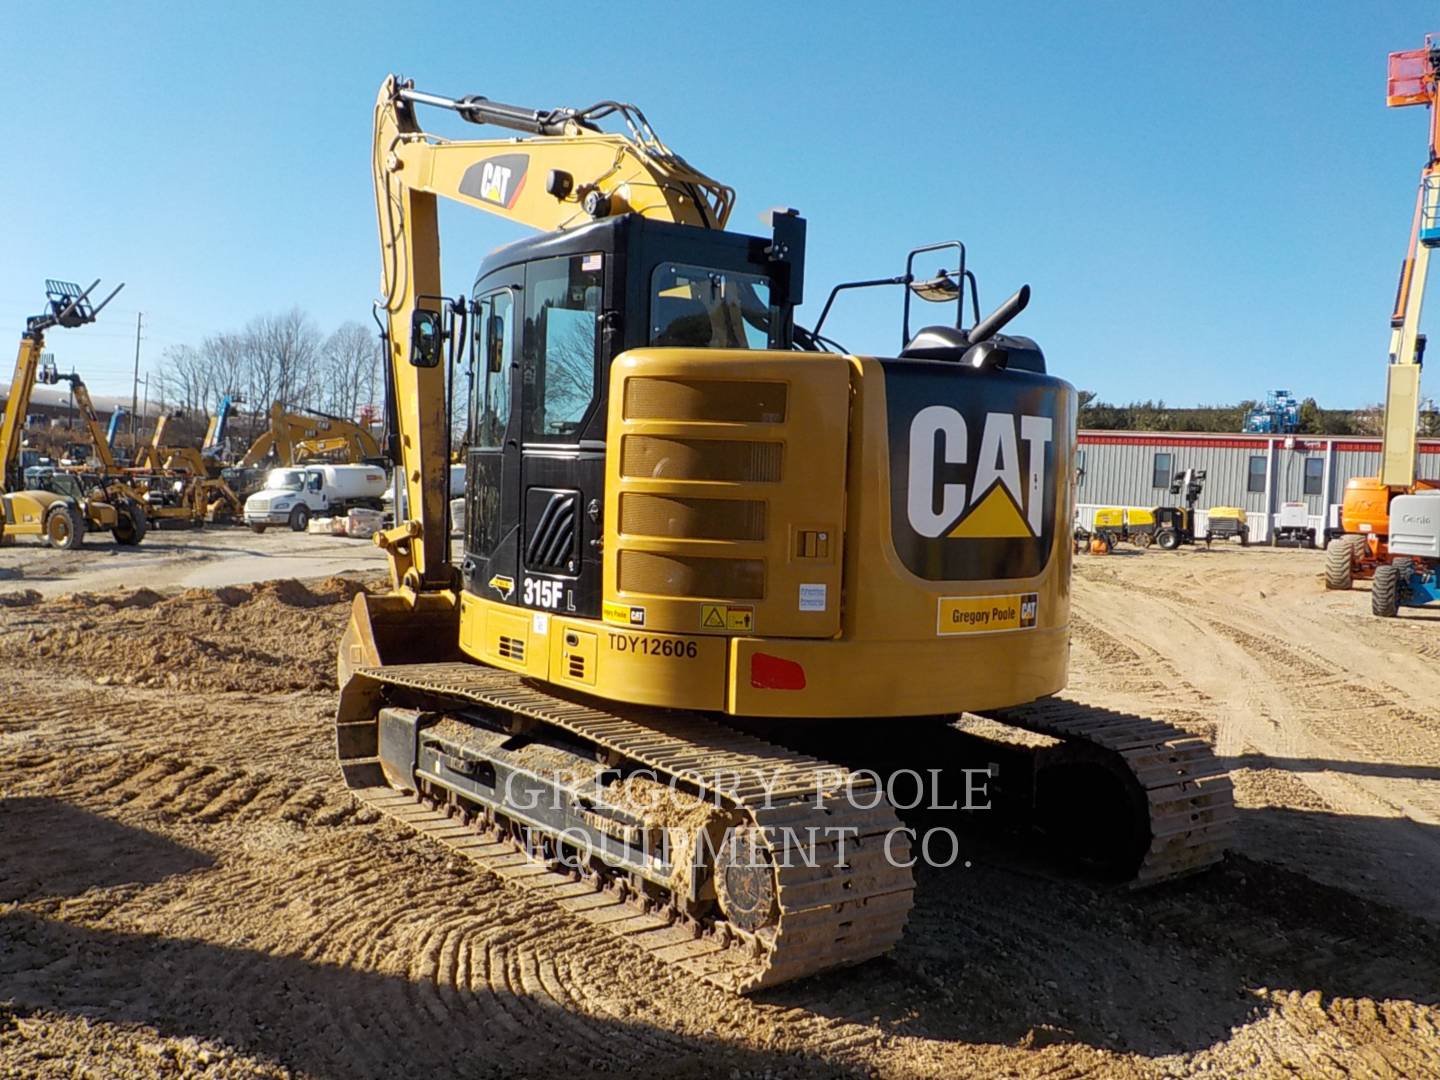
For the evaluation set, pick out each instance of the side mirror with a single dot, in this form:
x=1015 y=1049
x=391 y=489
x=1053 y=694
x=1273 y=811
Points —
x=495 y=342
x=939 y=289
x=426 y=335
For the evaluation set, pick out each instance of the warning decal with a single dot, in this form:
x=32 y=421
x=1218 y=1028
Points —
x=726 y=617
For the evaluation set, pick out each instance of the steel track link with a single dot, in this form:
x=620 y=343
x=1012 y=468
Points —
x=1190 y=796
x=831 y=913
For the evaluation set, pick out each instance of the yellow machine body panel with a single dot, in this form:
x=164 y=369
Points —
x=725 y=492
x=1236 y=513
x=1110 y=517
x=1141 y=516
x=751 y=563
x=25 y=512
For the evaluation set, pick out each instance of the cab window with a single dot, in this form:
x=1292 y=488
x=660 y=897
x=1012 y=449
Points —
x=562 y=318
x=490 y=386
x=703 y=308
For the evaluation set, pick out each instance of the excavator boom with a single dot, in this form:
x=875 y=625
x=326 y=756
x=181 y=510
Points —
x=295 y=437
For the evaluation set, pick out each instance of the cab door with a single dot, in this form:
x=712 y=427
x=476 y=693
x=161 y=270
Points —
x=492 y=474
x=562 y=461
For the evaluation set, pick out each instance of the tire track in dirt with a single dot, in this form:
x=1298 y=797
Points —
x=1302 y=722
x=1338 y=710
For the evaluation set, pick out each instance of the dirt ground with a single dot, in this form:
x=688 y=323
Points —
x=186 y=889
x=185 y=557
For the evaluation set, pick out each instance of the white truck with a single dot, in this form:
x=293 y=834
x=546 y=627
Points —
x=292 y=496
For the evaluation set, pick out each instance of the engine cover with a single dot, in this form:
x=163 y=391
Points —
x=1415 y=525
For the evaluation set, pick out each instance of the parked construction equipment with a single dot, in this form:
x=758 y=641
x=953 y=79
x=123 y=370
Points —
x=1174 y=526
x=183 y=483
x=60 y=507
x=1278 y=414
x=1292 y=526
x=294 y=438
x=1134 y=524
x=1404 y=574
x=1227 y=523
x=676 y=551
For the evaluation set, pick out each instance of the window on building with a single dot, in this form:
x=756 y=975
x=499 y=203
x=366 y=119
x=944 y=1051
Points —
x=1079 y=468
x=1164 y=464
x=1314 y=475
x=1256 y=480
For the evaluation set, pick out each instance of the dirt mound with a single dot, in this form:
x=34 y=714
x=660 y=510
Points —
x=268 y=637
x=24 y=598
x=118 y=599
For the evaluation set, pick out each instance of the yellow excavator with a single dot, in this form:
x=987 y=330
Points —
x=295 y=437
x=59 y=506
x=706 y=551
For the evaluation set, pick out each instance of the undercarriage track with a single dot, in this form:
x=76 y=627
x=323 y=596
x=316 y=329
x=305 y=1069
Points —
x=1177 y=781
x=834 y=907
x=838 y=903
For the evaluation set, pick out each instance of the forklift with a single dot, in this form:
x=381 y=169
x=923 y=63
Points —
x=55 y=505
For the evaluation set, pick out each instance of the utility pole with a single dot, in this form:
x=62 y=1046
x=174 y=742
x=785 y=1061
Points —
x=146 y=381
x=135 y=385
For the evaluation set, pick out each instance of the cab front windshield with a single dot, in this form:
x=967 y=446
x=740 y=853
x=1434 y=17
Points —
x=286 y=480
x=61 y=484
x=705 y=308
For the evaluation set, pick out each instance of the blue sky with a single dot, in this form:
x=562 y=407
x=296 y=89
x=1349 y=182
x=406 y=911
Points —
x=1208 y=200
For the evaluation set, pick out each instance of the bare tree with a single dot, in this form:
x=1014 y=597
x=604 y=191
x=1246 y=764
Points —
x=187 y=379
x=350 y=362
x=274 y=358
x=280 y=353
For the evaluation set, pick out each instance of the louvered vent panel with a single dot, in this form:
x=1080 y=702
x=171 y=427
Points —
x=511 y=648
x=551 y=546
x=685 y=576
x=655 y=457
x=717 y=400
x=672 y=517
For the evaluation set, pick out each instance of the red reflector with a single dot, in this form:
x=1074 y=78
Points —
x=772 y=673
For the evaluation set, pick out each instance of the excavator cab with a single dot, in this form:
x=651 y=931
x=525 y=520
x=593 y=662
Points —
x=548 y=316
